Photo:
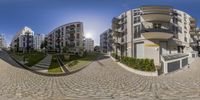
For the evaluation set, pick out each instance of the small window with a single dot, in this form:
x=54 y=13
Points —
x=77 y=43
x=136 y=20
x=77 y=36
x=157 y=25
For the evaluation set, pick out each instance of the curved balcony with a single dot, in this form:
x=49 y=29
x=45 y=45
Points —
x=115 y=23
x=118 y=33
x=153 y=33
x=156 y=13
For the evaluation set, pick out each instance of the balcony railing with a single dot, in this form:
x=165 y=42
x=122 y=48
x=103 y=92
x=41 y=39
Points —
x=154 y=33
x=115 y=23
x=155 y=30
x=71 y=31
x=156 y=13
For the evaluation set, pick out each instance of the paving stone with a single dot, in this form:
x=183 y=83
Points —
x=97 y=82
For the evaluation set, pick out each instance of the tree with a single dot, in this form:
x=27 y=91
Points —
x=44 y=45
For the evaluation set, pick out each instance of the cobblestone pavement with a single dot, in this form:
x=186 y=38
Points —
x=103 y=79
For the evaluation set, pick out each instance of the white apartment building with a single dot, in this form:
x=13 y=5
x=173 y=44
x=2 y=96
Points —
x=69 y=35
x=2 y=41
x=23 y=40
x=161 y=33
x=105 y=45
x=89 y=45
x=38 y=39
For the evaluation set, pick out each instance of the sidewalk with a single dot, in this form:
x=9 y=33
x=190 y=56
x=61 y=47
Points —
x=43 y=65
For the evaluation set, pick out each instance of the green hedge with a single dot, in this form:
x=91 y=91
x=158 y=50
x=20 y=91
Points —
x=114 y=55
x=139 y=64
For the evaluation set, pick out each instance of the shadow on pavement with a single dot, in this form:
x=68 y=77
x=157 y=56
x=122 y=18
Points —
x=103 y=57
x=5 y=57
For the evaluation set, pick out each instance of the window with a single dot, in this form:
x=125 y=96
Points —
x=185 y=39
x=175 y=20
x=157 y=25
x=78 y=30
x=78 y=25
x=136 y=20
x=77 y=43
x=180 y=29
x=137 y=31
x=175 y=29
x=136 y=12
x=77 y=36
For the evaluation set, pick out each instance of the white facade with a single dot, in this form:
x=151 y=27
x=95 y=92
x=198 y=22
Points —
x=89 y=45
x=38 y=39
x=154 y=31
x=104 y=41
x=2 y=41
x=23 y=40
x=69 y=35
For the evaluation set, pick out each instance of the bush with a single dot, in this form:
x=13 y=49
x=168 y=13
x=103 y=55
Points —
x=114 y=55
x=140 y=64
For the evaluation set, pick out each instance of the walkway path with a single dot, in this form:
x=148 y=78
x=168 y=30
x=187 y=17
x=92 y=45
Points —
x=103 y=79
x=43 y=65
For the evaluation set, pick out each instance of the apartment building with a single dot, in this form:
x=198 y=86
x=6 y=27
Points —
x=155 y=32
x=2 y=41
x=69 y=35
x=105 y=45
x=89 y=45
x=23 y=40
x=38 y=39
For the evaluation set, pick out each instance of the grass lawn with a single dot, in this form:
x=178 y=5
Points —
x=54 y=67
x=31 y=58
x=81 y=62
x=34 y=58
x=18 y=56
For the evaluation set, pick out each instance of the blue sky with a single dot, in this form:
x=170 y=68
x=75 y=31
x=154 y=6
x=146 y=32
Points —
x=45 y=15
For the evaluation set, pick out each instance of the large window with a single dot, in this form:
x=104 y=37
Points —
x=137 y=33
x=157 y=25
x=78 y=25
x=136 y=12
x=175 y=20
x=136 y=20
x=77 y=43
x=175 y=29
x=77 y=36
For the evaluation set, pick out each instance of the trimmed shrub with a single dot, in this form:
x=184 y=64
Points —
x=139 y=64
x=114 y=55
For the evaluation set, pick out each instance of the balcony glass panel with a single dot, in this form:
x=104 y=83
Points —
x=157 y=31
